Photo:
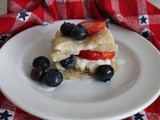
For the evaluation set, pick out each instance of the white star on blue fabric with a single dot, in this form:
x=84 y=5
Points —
x=23 y=16
x=143 y=20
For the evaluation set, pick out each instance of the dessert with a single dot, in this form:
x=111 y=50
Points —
x=85 y=49
x=78 y=50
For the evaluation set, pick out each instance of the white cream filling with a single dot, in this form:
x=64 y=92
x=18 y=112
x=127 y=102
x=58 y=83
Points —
x=83 y=64
x=59 y=66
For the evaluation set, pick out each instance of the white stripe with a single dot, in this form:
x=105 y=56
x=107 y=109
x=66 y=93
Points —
x=86 y=8
x=115 y=6
x=153 y=116
x=141 y=6
x=154 y=19
x=17 y=24
x=30 y=5
x=48 y=16
x=142 y=10
x=49 y=2
x=14 y=7
x=61 y=6
x=131 y=20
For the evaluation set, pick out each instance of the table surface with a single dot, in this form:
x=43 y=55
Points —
x=3 y=5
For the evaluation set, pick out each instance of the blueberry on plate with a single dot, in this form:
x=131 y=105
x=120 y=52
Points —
x=53 y=78
x=66 y=28
x=79 y=33
x=68 y=62
x=104 y=73
x=37 y=73
x=41 y=61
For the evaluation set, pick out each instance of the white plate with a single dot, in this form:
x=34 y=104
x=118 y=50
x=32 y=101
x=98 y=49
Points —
x=132 y=89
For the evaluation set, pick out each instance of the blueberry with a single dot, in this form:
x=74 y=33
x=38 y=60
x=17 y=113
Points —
x=66 y=28
x=68 y=62
x=104 y=73
x=53 y=78
x=79 y=33
x=37 y=73
x=41 y=62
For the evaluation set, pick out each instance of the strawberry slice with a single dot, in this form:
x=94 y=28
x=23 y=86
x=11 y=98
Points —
x=96 y=55
x=93 y=26
x=108 y=55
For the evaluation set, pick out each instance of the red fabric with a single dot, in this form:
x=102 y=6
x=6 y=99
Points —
x=71 y=12
x=137 y=15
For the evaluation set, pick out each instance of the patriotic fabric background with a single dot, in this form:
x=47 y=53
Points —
x=137 y=15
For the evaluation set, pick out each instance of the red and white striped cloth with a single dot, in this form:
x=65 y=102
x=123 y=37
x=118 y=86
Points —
x=137 y=15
